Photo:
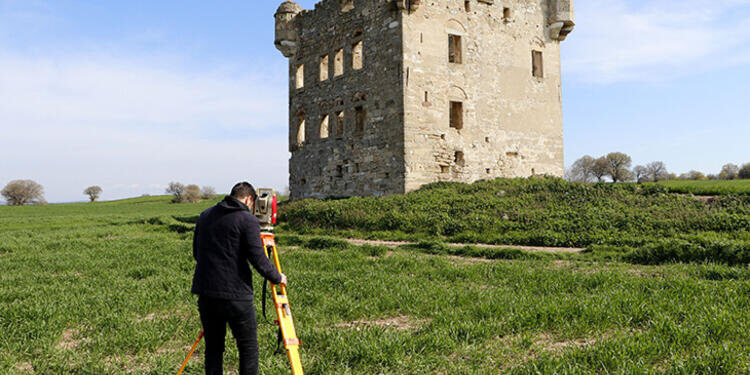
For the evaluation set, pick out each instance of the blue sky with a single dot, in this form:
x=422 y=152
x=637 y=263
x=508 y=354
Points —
x=133 y=94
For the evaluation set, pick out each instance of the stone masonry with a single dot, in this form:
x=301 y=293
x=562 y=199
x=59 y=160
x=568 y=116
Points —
x=388 y=95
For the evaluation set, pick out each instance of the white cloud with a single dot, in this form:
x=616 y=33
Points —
x=132 y=125
x=616 y=41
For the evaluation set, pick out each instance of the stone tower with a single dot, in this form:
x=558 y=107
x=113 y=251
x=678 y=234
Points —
x=388 y=95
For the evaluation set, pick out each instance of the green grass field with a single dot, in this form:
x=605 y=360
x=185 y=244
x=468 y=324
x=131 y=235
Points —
x=104 y=289
x=708 y=187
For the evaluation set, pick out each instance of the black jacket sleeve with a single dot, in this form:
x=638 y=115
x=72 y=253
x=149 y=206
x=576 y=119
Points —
x=253 y=247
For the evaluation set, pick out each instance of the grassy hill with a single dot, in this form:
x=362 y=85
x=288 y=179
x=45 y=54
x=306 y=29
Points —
x=103 y=288
x=543 y=212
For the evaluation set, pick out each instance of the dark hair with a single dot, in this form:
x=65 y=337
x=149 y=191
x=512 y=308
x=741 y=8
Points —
x=243 y=190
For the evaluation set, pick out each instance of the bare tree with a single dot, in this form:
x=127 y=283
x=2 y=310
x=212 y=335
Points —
x=192 y=194
x=178 y=190
x=641 y=174
x=21 y=192
x=744 y=173
x=600 y=169
x=657 y=171
x=208 y=192
x=582 y=170
x=94 y=192
x=618 y=166
x=729 y=172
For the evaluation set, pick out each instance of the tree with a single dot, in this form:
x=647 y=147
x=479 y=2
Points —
x=693 y=176
x=729 y=172
x=208 y=192
x=21 y=192
x=618 y=166
x=744 y=173
x=93 y=192
x=600 y=169
x=657 y=171
x=178 y=190
x=582 y=170
x=641 y=174
x=192 y=194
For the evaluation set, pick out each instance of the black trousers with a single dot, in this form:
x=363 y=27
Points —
x=240 y=315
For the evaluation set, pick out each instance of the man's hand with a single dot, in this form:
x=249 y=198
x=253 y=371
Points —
x=283 y=279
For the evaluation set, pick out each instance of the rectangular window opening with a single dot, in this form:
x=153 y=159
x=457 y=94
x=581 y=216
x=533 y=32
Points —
x=537 y=64
x=323 y=68
x=454 y=49
x=506 y=14
x=299 y=76
x=338 y=63
x=357 y=56
x=360 y=118
x=457 y=115
x=300 y=130
x=340 y=124
x=444 y=169
x=324 y=127
x=467 y=5
x=339 y=171
x=459 y=158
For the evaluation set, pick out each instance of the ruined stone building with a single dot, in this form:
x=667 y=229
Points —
x=388 y=95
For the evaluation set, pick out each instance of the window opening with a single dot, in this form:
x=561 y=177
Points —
x=537 y=64
x=357 y=56
x=323 y=68
x=299 y=76
x=506 y=14
x=300 y=130
x=467 y=5
x=454 y=49
x=459 y=158
x=444 y=169
x=347 y=5
x=338 y=63
x=457 y=115
x=340 y=124
x=324 y=127
x=360 y=118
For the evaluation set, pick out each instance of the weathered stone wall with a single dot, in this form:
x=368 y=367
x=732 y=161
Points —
x=364 y=161
x=512 y=122
x=508 y=122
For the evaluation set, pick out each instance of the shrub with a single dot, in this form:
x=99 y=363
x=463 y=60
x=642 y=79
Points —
x=192 y=194
x=22 y=192
x=208 y=192
x=744 y=173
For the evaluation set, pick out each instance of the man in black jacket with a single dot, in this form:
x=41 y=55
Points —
x=227 y=237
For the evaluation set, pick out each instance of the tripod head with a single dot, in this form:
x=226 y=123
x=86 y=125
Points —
x=265 y=208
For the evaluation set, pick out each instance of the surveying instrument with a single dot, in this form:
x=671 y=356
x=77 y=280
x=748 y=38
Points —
x=265 y=209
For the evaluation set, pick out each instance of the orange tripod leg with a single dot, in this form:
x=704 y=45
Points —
x=192 y=350
x=283 y=311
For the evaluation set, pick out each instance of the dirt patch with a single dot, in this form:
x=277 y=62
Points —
x=394 y=244
x=400 y=323
x=128 y=363
x=24 y=368
x=548 y=343
x=69 y=340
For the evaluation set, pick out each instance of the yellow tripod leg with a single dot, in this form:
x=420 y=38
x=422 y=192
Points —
x=283 y=311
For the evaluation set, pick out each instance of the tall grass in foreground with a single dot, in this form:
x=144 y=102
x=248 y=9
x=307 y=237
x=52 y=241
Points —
x=104 y=289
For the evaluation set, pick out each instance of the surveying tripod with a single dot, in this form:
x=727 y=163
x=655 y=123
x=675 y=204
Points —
x=265 y=210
